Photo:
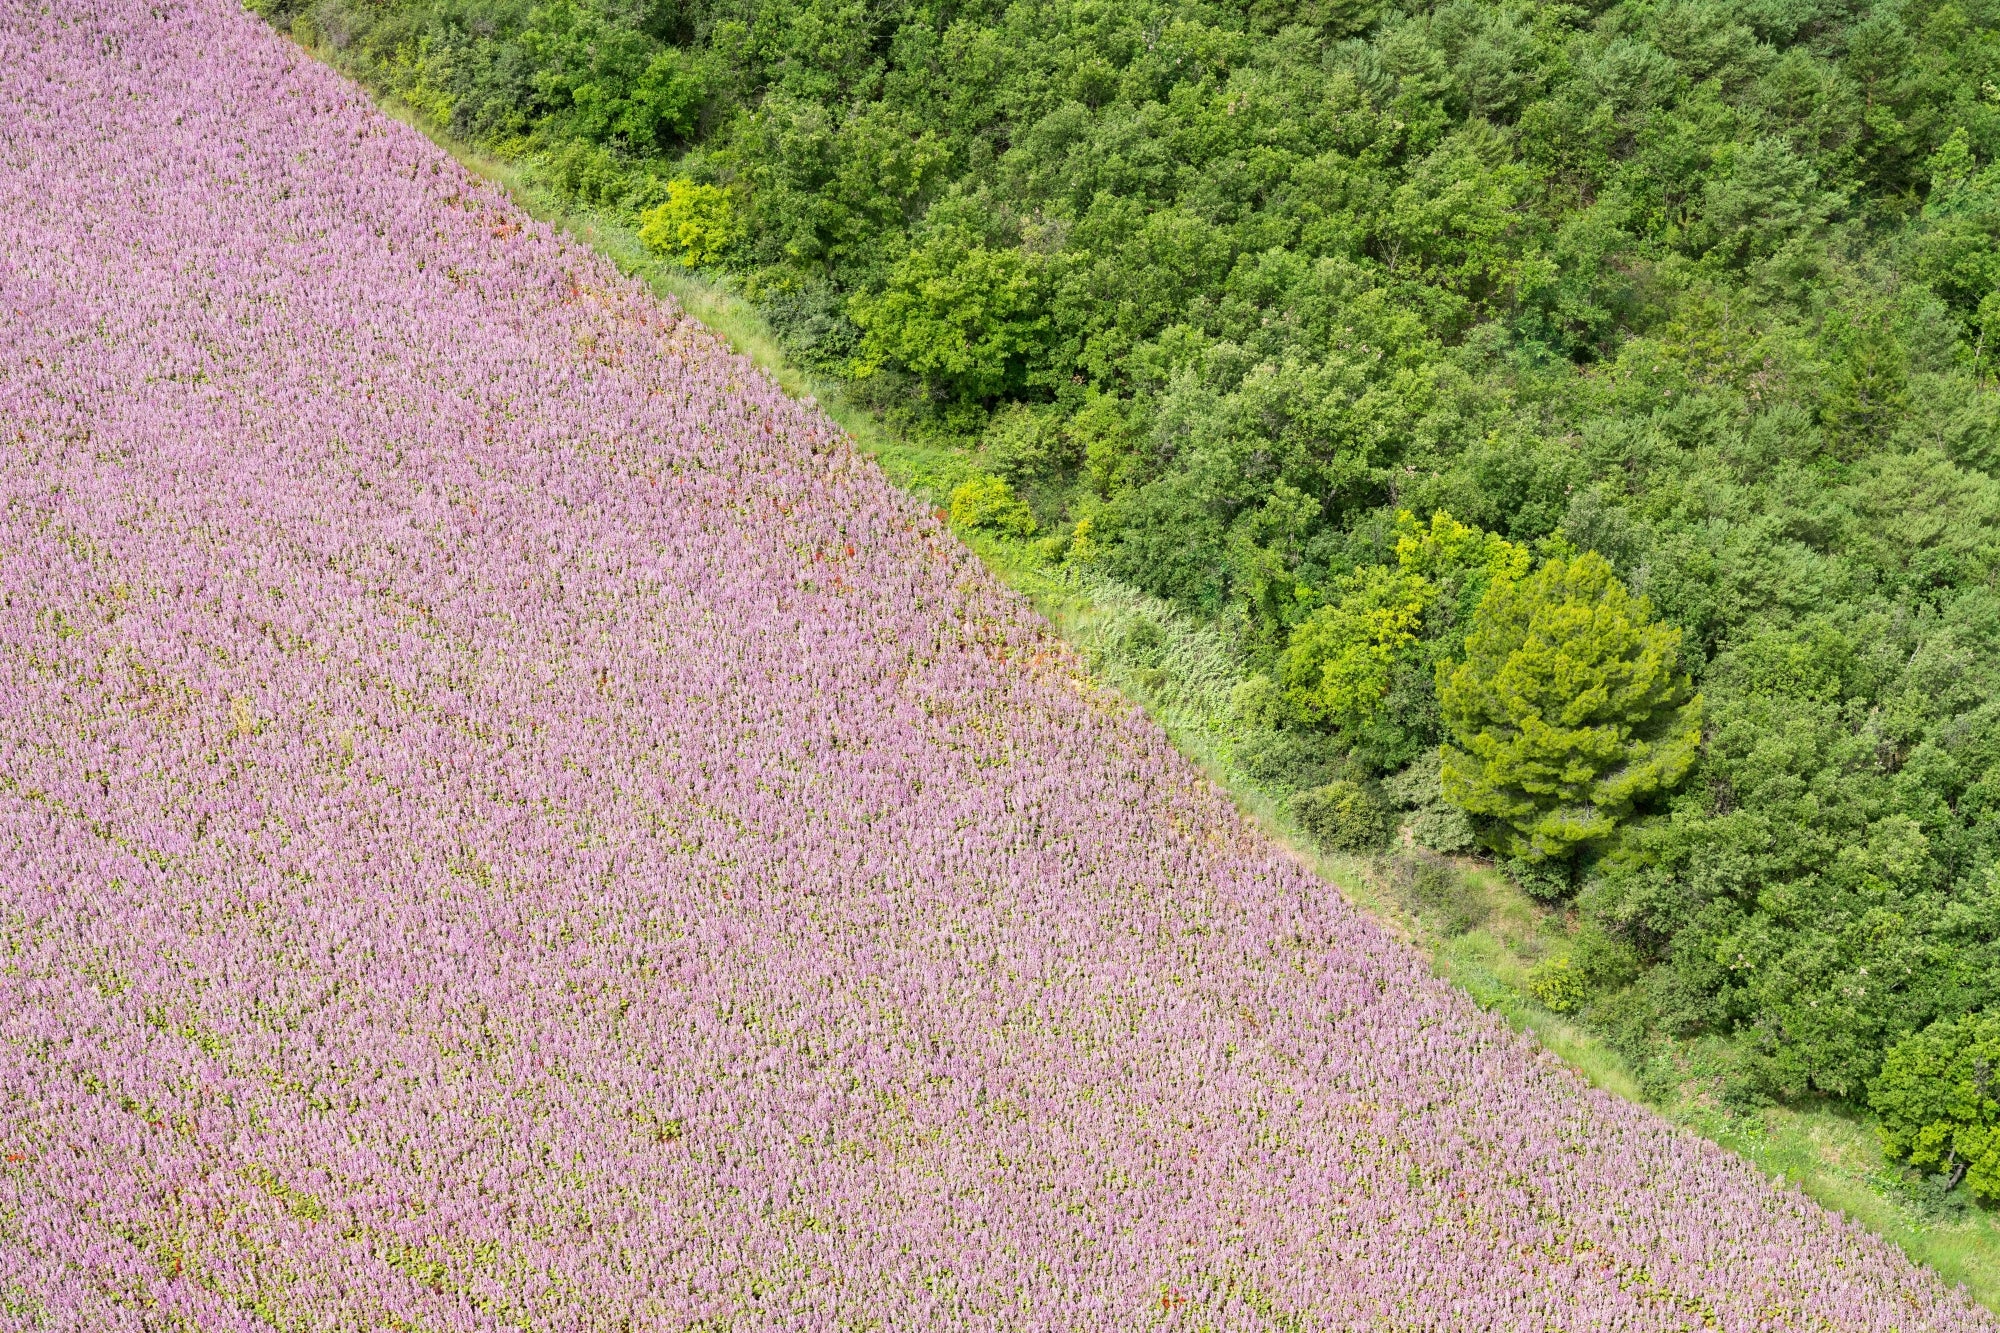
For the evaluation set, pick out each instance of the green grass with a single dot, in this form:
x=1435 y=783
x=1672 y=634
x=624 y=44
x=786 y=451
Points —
x=1829 y=1152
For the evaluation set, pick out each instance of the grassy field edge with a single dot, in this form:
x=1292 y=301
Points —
x=1830 y=1154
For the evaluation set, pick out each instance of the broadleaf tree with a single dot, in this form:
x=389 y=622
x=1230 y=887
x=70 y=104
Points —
x=1939 y=1098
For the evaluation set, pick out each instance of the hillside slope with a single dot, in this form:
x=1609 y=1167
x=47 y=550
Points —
x=504 y=820
x=1219 y=288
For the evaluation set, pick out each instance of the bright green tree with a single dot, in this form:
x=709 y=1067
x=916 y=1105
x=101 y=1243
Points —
x=1567 y=711
x=964 y=318
x=1337 y=669
x=1939 y=1099
x=1386 y=625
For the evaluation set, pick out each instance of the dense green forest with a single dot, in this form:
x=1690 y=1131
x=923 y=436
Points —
x=1579 y=414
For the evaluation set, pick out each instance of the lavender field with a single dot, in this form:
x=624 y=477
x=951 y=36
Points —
x=507 y=822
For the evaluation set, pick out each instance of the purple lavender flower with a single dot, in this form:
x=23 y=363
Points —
x=507 y=821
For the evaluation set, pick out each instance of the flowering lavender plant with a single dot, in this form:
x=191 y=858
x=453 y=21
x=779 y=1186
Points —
x=506 y=821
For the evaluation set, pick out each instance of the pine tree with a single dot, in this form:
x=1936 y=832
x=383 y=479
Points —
x=1567 y=710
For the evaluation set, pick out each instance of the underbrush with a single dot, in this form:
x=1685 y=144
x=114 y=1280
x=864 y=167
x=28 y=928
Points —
x=1479 y=929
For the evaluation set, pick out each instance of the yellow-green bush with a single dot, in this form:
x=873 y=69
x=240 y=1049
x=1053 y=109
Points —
x=695 y=225
x=1558 y=983
x=989 y=502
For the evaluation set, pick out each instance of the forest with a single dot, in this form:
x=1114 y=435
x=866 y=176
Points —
x=1580 y=416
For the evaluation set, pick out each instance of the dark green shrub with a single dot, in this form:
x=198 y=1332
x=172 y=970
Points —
x=811 y=322
x=585 y=174
x=1342 y=815
x=1029 y=444
x=1289 y=761
x=1434 y=822
x=1592 y=964
x=1544 y=881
